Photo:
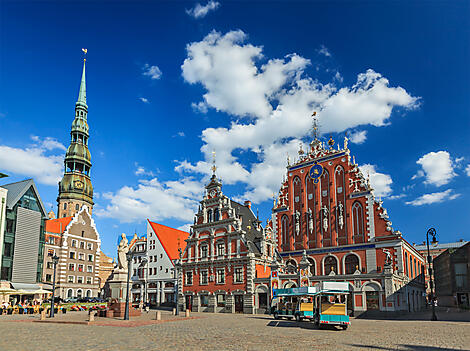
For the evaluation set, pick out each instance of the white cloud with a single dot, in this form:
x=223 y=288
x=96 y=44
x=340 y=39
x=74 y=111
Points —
x=185 y=227
x=141 y=171
x=358 y=137
x=35 y=161
x=151 y=71
x=274 y=99
x=324 y=51
x=396 y=197
x=200 y=11
x=380 y=182
x=200 y=107
x=153 y=199
x=467 y=170
x=437 y=168
x=432 y=198
x=144 y=100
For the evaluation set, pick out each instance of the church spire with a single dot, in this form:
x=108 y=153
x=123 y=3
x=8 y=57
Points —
x=82 y=93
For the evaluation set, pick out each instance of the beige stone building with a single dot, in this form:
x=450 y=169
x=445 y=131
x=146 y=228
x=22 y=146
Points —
x=76 y=242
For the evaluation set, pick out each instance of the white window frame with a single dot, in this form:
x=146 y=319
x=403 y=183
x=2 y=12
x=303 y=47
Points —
x=89 y=269
x=235 y=281
x=201 y=276
x=220 y=272
x=191 y=274
x=89 y=246
x=206 y=247
x=80 y=278
x=81 y=256
x=92 y=258
x=220 y=252
x=74 y=243
x=71 y=280
x=90 y=279
x=73 y=265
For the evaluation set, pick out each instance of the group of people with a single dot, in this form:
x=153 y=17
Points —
x=22 y=307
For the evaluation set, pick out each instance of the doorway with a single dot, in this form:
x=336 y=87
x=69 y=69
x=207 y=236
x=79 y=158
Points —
x=238 y=303
x=189 y=302
x=372 y=300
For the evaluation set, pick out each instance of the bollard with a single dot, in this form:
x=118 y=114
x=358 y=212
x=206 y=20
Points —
x=186 y=313
x=43 y=315
x=159 y=316
x=91 y=317
x=174 y=311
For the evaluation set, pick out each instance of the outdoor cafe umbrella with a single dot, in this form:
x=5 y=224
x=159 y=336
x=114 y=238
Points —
x=7 y=291
x=41 y=291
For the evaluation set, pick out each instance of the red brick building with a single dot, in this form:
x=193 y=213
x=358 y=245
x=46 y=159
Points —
x=329 y=226
x=225 y=266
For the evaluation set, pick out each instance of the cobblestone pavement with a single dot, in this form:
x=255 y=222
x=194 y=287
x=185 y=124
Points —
x=235 y=332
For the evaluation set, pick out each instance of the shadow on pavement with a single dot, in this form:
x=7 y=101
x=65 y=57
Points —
x=404 y=348
x=443 y=314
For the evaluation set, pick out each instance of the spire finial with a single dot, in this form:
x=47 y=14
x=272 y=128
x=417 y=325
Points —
x=82 y=92
x=315 y=125
x=214 y=167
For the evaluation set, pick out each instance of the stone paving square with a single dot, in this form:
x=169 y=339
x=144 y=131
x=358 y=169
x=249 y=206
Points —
x=234 y=332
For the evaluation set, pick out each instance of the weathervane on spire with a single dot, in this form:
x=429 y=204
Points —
x=214 y=167
x=84 y=53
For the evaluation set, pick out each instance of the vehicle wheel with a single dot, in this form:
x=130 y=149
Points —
x=344 y=327
x=297 y=318
x=275 y=315
x=289 y=318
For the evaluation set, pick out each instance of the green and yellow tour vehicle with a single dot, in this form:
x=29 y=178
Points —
x=325 y=304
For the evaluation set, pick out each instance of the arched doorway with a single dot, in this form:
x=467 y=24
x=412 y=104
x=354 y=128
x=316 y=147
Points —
x=88 y=293
x=262 y=302
x=79 y=293
x=372 y=296
x=70 y=293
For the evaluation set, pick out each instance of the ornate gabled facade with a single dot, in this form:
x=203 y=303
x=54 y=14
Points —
x=75 y=188
x=329 y=226
x=76 y=241
x=225 y=266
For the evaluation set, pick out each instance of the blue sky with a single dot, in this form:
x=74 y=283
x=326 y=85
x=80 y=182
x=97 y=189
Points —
x=169 y=82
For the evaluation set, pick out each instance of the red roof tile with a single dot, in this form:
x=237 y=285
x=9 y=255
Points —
x=57 y=225
x=171 y=239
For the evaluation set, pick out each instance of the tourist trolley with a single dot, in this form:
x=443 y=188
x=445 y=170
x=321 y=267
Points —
x=325 y=304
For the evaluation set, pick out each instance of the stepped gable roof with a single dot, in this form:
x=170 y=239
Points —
x=171 y=239
x=57 y=225
x=253 y=235
x=16 y=191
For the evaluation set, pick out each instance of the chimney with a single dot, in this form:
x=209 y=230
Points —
x=248 y=204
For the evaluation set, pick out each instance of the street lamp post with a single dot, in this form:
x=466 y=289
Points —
x=144 y=264
x=55 y=260
x=129 y=260
x=176 y=271
x=431 y=232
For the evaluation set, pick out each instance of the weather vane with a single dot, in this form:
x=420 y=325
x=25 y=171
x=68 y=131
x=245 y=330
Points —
x=315 y=125
x=84 y=52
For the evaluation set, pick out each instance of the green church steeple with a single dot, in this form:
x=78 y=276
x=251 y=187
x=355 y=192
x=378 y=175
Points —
x=75 y=188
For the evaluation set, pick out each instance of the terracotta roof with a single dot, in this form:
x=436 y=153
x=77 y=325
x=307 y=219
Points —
x=57 y=225
x=169 y=239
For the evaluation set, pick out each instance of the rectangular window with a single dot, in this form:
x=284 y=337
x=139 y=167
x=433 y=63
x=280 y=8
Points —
x=204 y=277
x=166 y=270
x=82 y=244
x=220 y=249
x=189 y=278
x=220 y=300
x=80 y=280
x=90 y=258
x=221 y=276
x=71 y=279
x=10 y=225
x=7 y=252
x=151 y=258
x=239 y=275
x=89 y=269
x=49 y=265
x=89 y=246
x=72 y=255
x=155 y=258
x=71 y=266
x=74 y=243
x=135 y=272
x=51 y=240
x=88 y=280
x=81 y=256
x=48 y=277
x=154 y=270
x=80 y=268
x=204 y=300
x=50 y=252
x=204 y=251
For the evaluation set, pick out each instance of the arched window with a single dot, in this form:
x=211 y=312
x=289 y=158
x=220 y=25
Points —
x=351 y=263
x=358 y=222
x=406 y=264
x=88 y=293
x=330 y=264
x=70 y=293
x=216 y=215
x=79 y=293
x=291 y=266
x=284 y=228
x=311 y=213
x=297 y=227
x=312 y=265
x=340 y=214
x=209 y=216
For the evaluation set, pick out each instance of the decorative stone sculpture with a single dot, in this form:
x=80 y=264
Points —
x=123 y=248
x=325 y=218
x=310 y=220
x=297 y=222
x=340 y=216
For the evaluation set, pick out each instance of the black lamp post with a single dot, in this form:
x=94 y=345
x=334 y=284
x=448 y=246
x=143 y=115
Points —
x=431 y=232
x=55 y=260
x=129 y=260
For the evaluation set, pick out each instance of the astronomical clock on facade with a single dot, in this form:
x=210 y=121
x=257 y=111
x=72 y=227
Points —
x=329 y=226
